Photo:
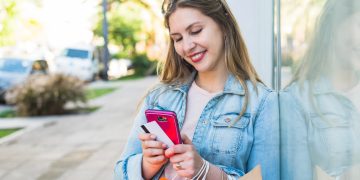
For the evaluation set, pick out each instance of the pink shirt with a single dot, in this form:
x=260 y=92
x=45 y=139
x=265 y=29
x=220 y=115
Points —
x=196 y=101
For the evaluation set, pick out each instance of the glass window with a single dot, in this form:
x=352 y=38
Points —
x=320 y=99
x=14 y=65
x=77 y=53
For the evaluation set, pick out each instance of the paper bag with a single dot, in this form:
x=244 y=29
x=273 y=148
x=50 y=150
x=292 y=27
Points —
x=254 y=174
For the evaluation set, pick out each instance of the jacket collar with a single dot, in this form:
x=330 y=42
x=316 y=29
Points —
x=232 y=85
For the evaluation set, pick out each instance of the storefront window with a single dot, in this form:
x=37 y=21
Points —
x=320 y=96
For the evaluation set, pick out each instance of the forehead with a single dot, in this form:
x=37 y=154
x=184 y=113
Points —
x=184 y=17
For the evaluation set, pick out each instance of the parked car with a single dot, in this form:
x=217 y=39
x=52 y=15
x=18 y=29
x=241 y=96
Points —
x=15 y=70
x=78 y=61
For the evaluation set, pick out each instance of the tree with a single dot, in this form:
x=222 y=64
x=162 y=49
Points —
x=136 y=29
x=8 y=14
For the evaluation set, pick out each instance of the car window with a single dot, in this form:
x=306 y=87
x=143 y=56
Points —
x=77 y=53
x=14 y=65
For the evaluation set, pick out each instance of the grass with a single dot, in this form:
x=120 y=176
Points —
x=5 y=132
x=130 y=77
x=83 y=110
x=95 y=93
x=8 y=114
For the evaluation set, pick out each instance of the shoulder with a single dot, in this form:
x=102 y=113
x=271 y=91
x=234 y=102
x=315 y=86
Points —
x=259 y=90
x=161 y=89
x=260 y=96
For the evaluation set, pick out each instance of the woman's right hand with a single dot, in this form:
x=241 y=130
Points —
x=153 y=155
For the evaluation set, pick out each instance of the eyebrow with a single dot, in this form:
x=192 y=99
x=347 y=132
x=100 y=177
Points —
x=187 y=28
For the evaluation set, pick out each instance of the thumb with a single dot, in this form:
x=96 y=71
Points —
x=186 y=139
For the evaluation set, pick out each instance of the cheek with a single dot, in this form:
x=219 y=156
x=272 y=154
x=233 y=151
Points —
x=178 y=49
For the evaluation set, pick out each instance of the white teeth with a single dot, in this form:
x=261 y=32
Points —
x=196 y=56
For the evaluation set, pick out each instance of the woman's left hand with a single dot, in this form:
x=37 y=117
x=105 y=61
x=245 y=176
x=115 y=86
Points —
x=184 y=158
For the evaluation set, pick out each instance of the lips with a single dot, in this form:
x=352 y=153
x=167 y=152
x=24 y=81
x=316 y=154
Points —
x=197 y=57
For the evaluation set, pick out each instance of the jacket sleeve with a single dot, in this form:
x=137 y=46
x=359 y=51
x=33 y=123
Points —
x=265 y=150
x=295 y=157
x=129 y=165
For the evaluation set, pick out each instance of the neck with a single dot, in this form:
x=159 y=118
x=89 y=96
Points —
x=344 y=80
x=212 y=81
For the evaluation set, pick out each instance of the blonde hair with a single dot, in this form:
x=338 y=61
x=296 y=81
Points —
x=175 y=69
x=320 y=52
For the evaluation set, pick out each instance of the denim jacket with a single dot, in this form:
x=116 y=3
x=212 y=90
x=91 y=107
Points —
x=319 y=129
x=251 y=141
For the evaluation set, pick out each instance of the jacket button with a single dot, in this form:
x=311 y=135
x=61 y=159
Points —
x=227 y=120
x=205 y=122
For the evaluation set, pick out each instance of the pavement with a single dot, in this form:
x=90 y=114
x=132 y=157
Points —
x=73 y=147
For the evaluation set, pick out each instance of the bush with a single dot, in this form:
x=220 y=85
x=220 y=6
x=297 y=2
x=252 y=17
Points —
x=46 y=94
x=143 y=66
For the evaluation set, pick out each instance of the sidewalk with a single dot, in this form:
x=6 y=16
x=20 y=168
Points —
x=77 y=146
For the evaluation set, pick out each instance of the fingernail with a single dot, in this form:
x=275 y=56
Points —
x=152 y=136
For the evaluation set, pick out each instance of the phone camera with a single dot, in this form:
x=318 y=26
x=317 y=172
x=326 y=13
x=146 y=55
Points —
x=162 y=119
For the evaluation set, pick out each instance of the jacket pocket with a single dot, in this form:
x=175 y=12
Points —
x=331 y=133
x=228 y=139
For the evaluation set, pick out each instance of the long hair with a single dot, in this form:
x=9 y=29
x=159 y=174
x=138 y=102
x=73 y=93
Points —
x=237 y=60
x=321 y=50
x=319 y=59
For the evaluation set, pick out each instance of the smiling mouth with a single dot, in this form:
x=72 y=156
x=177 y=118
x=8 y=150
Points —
x=198 y=56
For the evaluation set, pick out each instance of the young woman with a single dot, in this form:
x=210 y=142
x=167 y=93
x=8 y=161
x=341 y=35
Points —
x=320 y=120
x=228 y=118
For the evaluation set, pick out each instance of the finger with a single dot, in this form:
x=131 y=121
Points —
x=186 y=139
x=177 y=158
x=156 y=159
x=146 y=136
x=150 y=152
x=176 y=149
x=152 y=144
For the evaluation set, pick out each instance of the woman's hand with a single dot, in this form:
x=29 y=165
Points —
x=153 y=155
x=184 y=158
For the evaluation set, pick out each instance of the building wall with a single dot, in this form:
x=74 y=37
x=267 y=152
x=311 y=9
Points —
x=255 y=18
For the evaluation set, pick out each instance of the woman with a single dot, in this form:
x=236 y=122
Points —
x=320 y=122
x=228 y=118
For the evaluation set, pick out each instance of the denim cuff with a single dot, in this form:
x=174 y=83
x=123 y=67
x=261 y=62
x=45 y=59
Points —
x=134 y=167
x=129 y=168
x=231 y=171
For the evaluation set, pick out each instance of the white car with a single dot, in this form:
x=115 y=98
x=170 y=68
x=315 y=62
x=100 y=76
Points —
x=78 y=61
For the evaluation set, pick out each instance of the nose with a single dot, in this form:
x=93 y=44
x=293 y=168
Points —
x=188 y=45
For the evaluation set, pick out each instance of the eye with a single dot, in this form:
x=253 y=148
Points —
x=177 y=39
x=196 y=32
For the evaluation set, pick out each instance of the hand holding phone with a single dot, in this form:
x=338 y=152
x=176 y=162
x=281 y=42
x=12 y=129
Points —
x=167 y=121
x=153 y=155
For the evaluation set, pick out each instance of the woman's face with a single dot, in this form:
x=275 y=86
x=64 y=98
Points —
x=198 y=39
x=348 y=42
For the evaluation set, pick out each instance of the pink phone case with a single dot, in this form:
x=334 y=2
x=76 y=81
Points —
x=167 y=121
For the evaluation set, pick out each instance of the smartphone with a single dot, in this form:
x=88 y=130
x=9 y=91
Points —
x=167 y=121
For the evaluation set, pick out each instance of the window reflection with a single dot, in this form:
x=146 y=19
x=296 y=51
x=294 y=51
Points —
x=320 y=119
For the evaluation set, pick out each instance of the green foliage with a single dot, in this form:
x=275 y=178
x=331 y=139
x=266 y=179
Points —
x=8 y=114
x=46 y=94
x=5 y=132
x=130 y=77
x=125 y=27
x=143 y=66
x=94 y=93
x=8 y=14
